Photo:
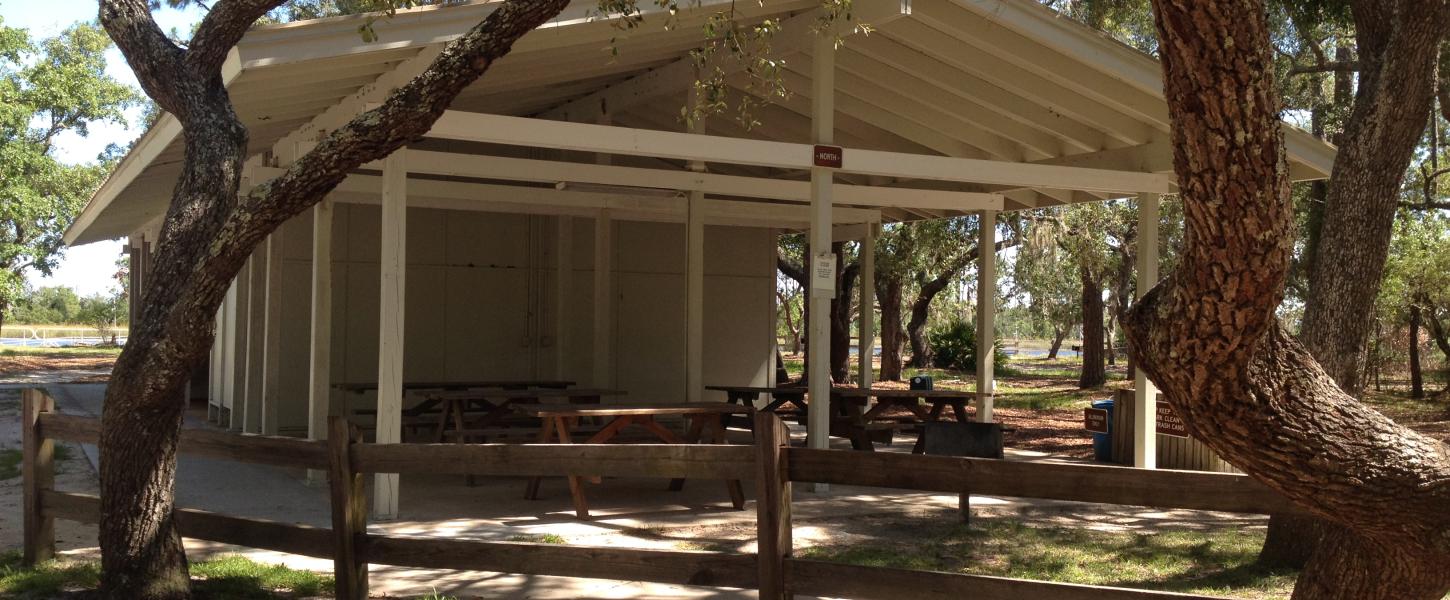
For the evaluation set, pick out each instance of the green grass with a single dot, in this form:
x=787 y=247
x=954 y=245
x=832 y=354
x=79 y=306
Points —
x=225 y=577
x=80 y=352
x=541 y=538
x=10 y=460
x=1219 y=562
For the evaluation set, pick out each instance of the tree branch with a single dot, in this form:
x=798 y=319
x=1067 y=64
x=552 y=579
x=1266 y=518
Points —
x=152 y=55
x=221 y=28
x=1337 y=66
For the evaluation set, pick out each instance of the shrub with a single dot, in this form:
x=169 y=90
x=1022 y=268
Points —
x=954 y=346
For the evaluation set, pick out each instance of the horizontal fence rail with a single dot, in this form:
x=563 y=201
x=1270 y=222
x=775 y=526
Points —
x=205 y=525
x=241 y=447
x=610 y=460
x=657 y=566
x=819 y=578
x=771 y=462
x=1196 y=490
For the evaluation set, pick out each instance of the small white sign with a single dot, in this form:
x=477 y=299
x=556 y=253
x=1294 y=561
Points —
x=823 y=274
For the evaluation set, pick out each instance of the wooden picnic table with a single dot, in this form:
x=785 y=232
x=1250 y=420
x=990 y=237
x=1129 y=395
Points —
x=456 y=403
x=857 y=420
x=426 y=405
x=746 y=395
x=707 y=426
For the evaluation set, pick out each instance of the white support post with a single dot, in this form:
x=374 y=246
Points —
x=823 y=285
x=695 y=280
x=236 y=376
x=866 y=343
x=256 y=339
x=986 y=312
x=392 y=283
x=272 y=335
x=1145 y=394
x=603 y=300
x=563 y=278
x=319 y=371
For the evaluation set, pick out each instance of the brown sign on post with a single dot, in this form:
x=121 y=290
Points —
x=1095 y=420
x=1169 y=422
x=829 y=156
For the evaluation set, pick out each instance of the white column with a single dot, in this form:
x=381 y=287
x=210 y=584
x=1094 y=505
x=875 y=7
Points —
x=392 y=273
x=866 y=344
x=256 y=339
x=695 y=281
x=236 y=376
x=603 y=300
x=823 y=89
x=986 y=311
x=563 y=298
x=319 y=362
x=272 y=335
x=1145 y=394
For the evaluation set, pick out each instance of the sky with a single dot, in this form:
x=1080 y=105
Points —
x=87 y=268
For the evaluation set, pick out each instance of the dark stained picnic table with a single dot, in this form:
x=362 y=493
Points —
x=707 y=426
x=855 y=420
x=498 y=402
x=746 y=395
x=424 y=406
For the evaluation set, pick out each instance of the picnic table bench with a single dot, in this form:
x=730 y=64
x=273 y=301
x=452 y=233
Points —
x=451 y=386
x=706 y=427
x=498 y=402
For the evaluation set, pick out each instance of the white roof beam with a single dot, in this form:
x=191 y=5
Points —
x=546 y=171
x=796 y=34
x=870 y=135
x=893 y=54
x=952 y=50
x=519 y=131
x=1083 y=74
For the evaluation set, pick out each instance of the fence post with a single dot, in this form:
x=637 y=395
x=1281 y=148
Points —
x=349 y=511
x=772 y=505
x=38 y=471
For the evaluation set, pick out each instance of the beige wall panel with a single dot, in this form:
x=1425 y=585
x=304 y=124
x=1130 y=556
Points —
x=650 y=248
x=738 y=251
x=737 y=330
x=650 y=337
x=426 y=322
x=488 y=324
x=426 y=241
x=293 y=369
x=484 y=239
x=360 y=320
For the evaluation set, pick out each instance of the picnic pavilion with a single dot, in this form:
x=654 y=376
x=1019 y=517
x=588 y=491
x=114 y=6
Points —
x=561 y=223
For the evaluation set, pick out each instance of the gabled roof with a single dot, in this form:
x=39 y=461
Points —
x=997 y=79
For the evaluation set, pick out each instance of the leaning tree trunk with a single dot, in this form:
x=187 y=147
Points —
x=916 y=332
x=1417 y=377
x=206 y=235
x=1094 y=372
x=888 y=294
x=1398 y=44
x=1208 y=336
x=1058 y=334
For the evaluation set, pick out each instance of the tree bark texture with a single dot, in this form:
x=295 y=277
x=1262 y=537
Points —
x=1399 y=45
x=1094 y=372
x=888 y=295
x=1417 y=377
x=841 y=313
x=1058 y=334
x=208 y=232
x=1208 y=337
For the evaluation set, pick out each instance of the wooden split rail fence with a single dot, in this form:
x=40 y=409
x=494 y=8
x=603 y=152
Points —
x=770 y=462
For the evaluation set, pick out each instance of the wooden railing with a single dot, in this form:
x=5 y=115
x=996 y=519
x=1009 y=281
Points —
x=771 y=462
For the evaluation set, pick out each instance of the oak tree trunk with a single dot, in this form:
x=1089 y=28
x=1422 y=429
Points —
x=1398 y=43
x=840 y=351
x=888 y=294
x=1058 y=334
x=1094 y=372
x=1208 y=337
x=206 y=235
x=1417 y=378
